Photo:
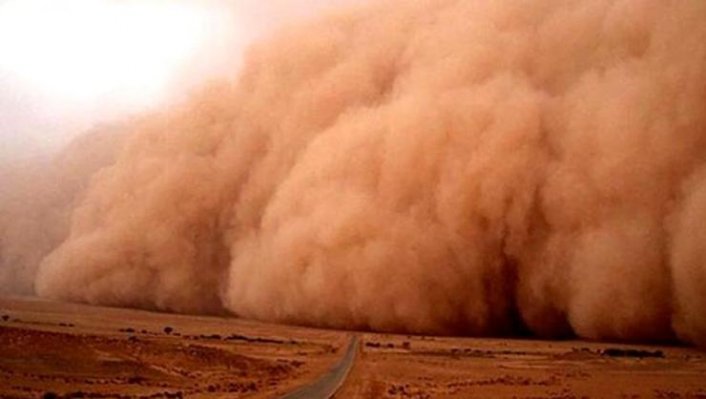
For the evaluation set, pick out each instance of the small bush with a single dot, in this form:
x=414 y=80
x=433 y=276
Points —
x=636 y=353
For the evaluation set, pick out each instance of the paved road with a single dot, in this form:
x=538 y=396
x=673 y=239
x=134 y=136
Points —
x=326 y=386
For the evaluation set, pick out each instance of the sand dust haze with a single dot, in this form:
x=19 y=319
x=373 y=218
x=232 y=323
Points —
x=449 y=167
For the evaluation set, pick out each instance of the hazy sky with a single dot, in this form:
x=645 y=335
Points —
x=67 y=65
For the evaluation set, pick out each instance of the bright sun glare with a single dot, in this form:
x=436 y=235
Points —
x=84 y=50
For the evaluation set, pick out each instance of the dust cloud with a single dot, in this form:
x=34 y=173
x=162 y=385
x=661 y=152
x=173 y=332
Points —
x=37 y=198
x=445 y=167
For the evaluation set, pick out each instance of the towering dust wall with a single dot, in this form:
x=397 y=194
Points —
x=465 y=167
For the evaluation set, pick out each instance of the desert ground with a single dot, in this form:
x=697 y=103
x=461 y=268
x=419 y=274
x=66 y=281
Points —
x=59 y=350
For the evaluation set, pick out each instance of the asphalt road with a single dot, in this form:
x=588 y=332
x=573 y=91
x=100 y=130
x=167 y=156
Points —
x=326 y=386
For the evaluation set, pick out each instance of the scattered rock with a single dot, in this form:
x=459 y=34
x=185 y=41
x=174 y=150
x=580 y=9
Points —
x=168 y=330
x=135 y=380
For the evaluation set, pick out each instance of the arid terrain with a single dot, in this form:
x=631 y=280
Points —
x=64 y=350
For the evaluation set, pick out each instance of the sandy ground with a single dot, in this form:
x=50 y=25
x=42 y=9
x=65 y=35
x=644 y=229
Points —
x=426 y=367
x=65 y=350
x=81 y=351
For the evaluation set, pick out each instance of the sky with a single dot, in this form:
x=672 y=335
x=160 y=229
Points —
x=68 y=65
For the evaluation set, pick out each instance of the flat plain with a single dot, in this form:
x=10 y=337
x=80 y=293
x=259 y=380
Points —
x=54 y=350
